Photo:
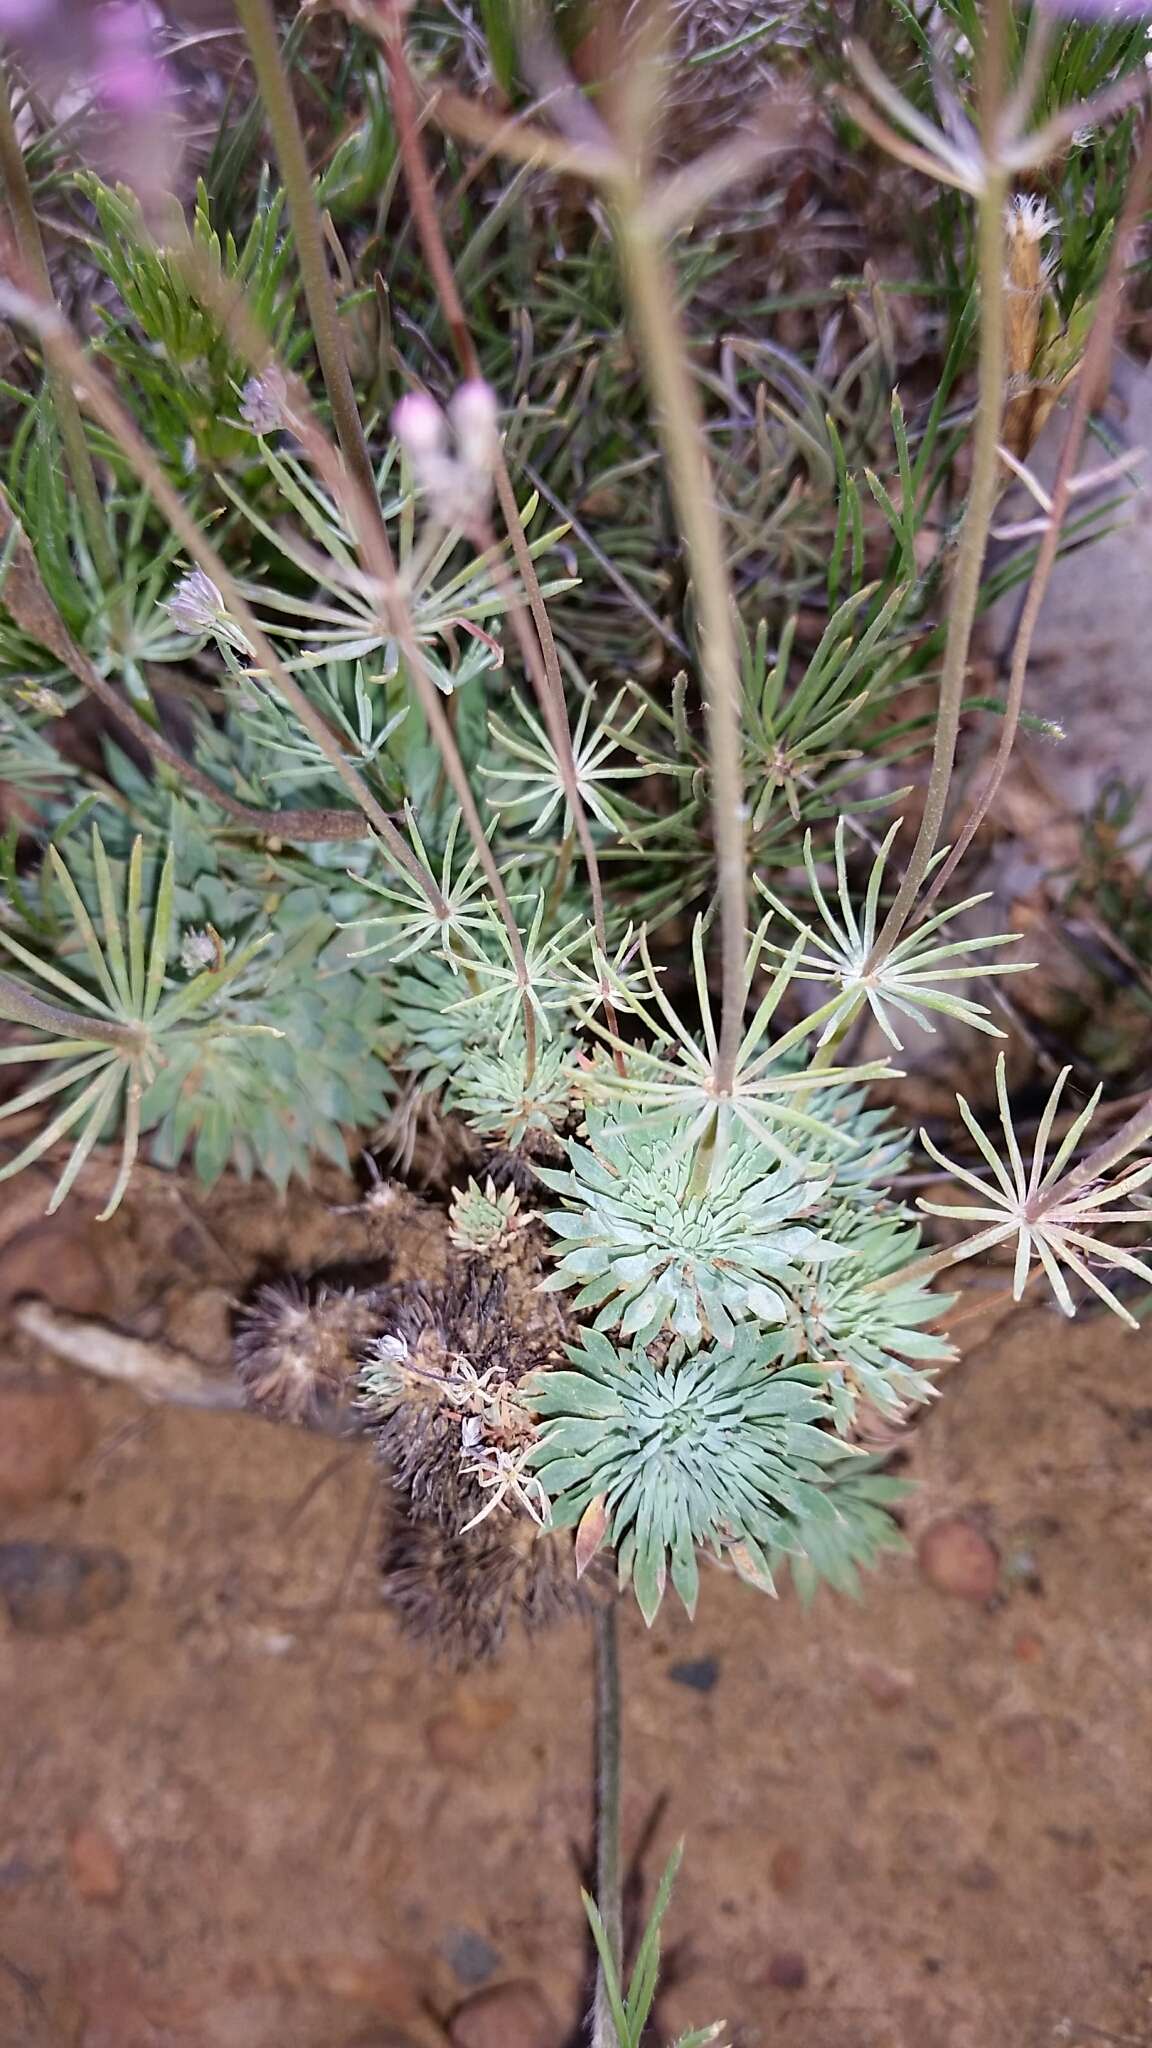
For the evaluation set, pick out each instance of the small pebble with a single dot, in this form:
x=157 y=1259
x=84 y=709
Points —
x=95 y=1865
x=699 y=1674
x=888 y=1684
x=508 y=2016
x=787 y=1970
x=48 y=1588
x=472 y=1959
x=956 y=1559
x=786 y=1870
x=1027 y=1647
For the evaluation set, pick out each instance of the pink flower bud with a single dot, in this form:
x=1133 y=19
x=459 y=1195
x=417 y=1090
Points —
x=129 y=79
x=474 y=414
x=22 y=21
x=419 y=426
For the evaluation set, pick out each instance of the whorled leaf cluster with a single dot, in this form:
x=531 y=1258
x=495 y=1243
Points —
x=240 y=970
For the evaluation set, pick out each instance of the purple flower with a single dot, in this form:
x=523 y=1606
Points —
x=106 y=59
x=264 y=401
x=195 y=606
x=1099 y=10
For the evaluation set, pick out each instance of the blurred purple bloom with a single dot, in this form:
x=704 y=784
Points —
x=452 y=454
x=264 y=401
x=104 y=60
x=1099 y=10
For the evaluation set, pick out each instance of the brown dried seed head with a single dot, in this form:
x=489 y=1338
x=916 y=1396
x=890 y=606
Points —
x=298 y=1345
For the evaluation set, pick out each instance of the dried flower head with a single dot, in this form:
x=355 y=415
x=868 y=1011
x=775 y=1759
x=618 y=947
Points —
x=462 y=1593
x=298 y=1345
x=201 y=947
x=439 y=1388
x=197 y=607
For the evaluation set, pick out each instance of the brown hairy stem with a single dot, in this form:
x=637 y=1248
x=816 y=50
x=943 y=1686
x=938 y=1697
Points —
x=259 y=24
x=77 y=454
x=365 y=521
x=1093 y=368
x=537 y=648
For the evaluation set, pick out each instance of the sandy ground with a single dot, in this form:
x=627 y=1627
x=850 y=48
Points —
x=238 y=1809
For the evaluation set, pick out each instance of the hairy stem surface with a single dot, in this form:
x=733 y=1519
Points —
x=77 y=454
x=964 y=595
x=609 y=1889
x=259 y=24
x=680 y=425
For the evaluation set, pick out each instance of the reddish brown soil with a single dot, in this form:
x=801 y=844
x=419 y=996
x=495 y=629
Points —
x=242 y=1811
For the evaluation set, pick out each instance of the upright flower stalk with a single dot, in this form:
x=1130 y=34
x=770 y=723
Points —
x=964 y=593
x=680 y=425
x=259 y=24
x=77 y=454
x=534 y=636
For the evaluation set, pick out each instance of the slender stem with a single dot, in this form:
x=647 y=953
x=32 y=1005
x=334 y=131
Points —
x=1093 y=367
x=664 y=346
x=259 y=24
x=77 y=454
x=19 y=1006
x=1103 y=1157
x=365 y=522
x=389 y=25
x=965 y=591
x=609 y=1888
x=930 y=1263
x=536 y=641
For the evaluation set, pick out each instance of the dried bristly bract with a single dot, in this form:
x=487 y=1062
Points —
x=298 y=1346
x=485 y=1219
x=462 y=1593
x=439 y=1390
x=1027 y=286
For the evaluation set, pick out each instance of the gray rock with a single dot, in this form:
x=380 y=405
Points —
x=49 y=1588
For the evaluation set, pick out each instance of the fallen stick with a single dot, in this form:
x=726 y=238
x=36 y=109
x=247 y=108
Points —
x=157 y=1372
